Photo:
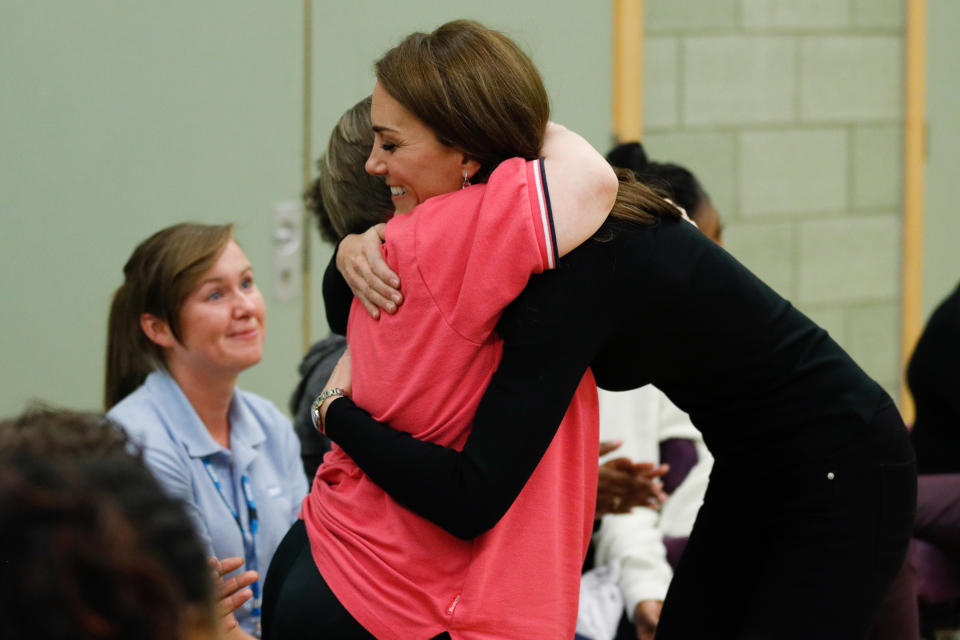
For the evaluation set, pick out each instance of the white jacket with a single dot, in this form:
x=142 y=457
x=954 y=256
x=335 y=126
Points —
x=633 y=541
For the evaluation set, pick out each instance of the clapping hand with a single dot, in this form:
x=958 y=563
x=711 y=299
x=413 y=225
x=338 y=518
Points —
x=623 y=484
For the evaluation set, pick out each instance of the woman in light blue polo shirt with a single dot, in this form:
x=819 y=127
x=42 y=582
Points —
x=184 y=324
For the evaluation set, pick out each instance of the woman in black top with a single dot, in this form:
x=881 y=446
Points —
x=933 y=375
x=811 y=501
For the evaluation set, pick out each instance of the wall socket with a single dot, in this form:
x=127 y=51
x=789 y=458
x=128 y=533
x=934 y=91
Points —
x=287 y=237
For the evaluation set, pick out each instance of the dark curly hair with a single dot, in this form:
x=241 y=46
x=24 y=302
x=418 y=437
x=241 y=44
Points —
x=91 y=546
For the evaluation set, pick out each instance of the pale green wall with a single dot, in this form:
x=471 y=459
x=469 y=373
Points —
x=118 y=118
x=941 y=263
x=791 y=113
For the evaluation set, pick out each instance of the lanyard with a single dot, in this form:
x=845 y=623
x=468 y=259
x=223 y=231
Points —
x=249 y=543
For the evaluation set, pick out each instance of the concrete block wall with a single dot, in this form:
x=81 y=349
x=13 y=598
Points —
x=791 y=115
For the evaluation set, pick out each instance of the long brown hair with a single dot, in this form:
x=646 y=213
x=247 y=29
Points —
x=159 y=275
x=479 y=92
x=637 y=202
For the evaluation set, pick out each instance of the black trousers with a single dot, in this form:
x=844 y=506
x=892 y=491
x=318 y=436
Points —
x=805 y=552
x=298 y=604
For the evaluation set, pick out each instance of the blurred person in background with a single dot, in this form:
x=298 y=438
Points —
x=345 y=199
x=91 y=546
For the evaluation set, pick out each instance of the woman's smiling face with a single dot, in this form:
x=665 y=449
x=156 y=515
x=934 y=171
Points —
x=222 y=321
x=407 y=154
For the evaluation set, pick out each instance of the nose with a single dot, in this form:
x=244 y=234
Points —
x=375 y=165
x=245 y=305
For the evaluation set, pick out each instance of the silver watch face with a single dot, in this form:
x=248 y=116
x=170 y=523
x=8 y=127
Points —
x=315 y=413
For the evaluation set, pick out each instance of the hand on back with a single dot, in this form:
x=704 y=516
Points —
x=361 y=263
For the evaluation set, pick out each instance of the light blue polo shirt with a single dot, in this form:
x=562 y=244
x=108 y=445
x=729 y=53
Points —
x=263 y=446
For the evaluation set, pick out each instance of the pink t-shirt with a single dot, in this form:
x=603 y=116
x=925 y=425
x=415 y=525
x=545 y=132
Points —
x=462 y=257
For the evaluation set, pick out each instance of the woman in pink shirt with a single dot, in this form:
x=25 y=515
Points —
x=459 y=107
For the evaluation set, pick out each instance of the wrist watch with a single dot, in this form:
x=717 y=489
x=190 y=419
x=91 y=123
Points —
x=315 y=407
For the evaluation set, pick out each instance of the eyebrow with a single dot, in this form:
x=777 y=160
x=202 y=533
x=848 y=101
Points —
x=379 y=129
x=247 y=269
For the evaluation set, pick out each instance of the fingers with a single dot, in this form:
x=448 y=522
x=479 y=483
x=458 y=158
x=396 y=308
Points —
x=606 y=504
x=367 y=273
x=235 y=583
x=648 y=492
x=649 y=469
x=371 y=290
x=225 y=566
x=229 y=603
x=606 y=446
x=388 y=281
x=614 y=481
x=620 y=491
x=623 y=465
x=383 y=284
x=657 y=496
x=380 y=288
x=363 y=283
x=226 y=606
x=232 y=594
x=614 y=491
x=369 y=306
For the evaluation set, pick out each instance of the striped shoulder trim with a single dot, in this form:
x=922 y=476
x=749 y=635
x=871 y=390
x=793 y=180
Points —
x=546 y=213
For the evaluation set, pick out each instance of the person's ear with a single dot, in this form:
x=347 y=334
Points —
x=469 y=167
x=157 y=330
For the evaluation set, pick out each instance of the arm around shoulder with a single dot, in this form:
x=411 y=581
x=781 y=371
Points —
x=582 y=185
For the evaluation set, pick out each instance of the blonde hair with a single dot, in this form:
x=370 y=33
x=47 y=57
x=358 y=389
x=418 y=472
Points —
x=344 y=197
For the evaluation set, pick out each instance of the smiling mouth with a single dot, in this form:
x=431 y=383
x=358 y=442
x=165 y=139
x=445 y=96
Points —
x=397 y=191
x=245 y=335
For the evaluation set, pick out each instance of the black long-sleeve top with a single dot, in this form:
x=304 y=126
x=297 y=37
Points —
x=934 y=378
x=639 y=304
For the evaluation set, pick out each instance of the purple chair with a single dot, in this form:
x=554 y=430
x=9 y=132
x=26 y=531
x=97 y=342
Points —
x=926 y=593
x=937 y=579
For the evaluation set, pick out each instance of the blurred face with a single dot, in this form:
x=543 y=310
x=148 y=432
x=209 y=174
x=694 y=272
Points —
x=708 y=220
x=222 y=322
x=407 y=154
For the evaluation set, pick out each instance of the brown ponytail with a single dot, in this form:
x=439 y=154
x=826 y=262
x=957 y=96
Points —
x=638 y=202
x=128 y=354
x=159 y=275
